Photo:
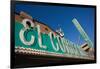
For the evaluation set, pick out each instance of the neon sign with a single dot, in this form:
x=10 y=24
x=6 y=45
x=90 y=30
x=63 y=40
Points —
x=29 y=37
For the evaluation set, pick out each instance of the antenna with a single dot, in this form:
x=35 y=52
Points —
x=78 y=40
x=59 y=31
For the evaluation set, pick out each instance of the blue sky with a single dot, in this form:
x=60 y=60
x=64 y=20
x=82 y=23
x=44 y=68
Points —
x=62 y=16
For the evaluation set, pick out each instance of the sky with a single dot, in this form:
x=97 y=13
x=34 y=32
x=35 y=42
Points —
x=61 y=16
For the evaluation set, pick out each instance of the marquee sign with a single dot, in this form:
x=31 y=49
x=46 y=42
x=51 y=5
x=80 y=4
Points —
x=49 y=34
x=35 y=38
